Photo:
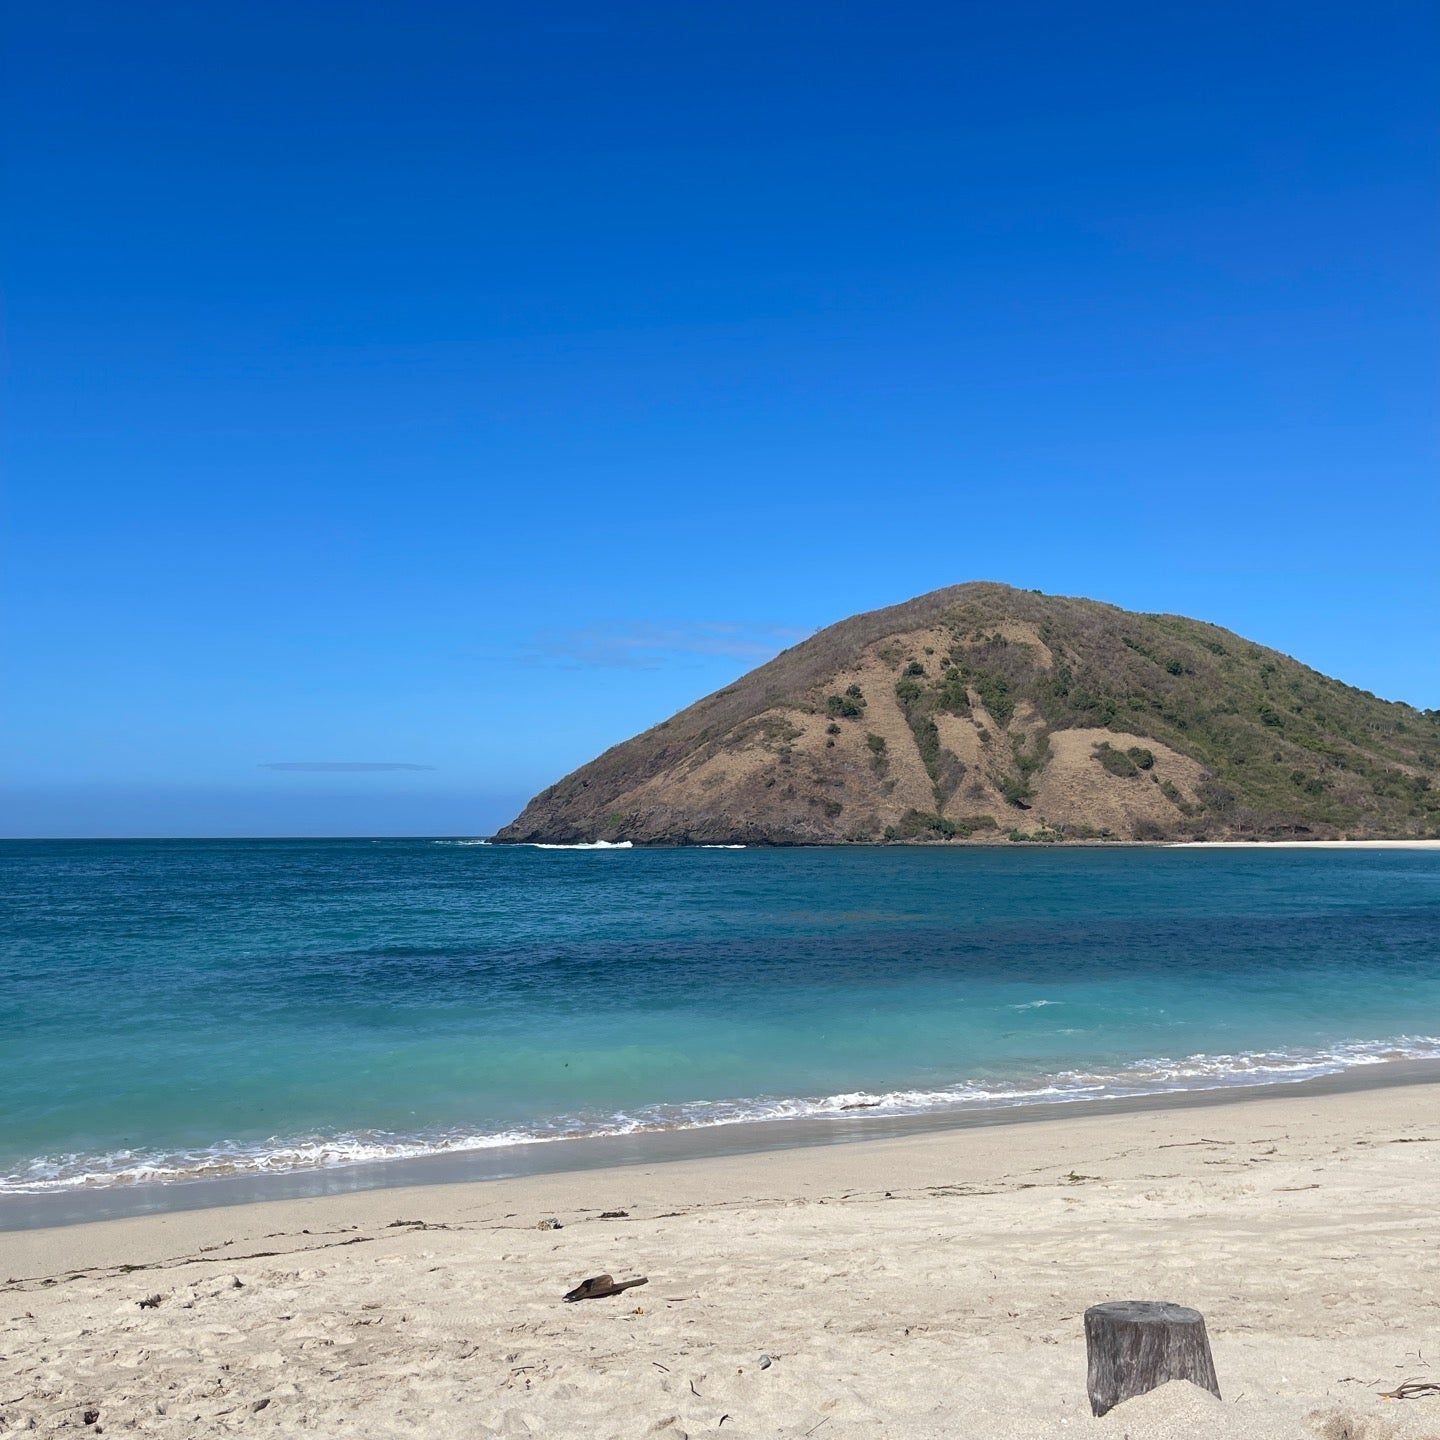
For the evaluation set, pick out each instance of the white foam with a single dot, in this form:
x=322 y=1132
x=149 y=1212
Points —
x=1156 y=1076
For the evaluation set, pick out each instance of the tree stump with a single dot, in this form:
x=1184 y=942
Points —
x=1135 y=1345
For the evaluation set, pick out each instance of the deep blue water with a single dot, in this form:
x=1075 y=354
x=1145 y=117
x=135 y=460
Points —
x=174 y=1008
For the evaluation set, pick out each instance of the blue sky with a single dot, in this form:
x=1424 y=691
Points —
x=466 y=387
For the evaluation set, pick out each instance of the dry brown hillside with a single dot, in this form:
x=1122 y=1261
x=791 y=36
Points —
x=987 y=713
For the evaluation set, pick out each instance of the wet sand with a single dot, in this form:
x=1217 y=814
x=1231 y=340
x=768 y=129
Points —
x=83 y=1205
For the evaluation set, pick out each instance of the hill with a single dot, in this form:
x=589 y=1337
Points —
x=988 y=713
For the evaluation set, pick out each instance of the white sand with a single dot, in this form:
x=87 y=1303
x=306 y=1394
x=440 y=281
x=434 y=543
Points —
x=1304 y=845
x=920 y=1287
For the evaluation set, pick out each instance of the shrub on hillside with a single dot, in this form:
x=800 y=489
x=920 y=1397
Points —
x=951 y=694
x=1117 y=762
x=1016 y=790
x=925 y=824
x=994 y=692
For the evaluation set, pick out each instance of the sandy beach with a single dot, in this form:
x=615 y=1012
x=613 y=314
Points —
x=1304 y=845
x=924 y=1286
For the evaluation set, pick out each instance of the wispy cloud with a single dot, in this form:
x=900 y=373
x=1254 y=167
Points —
x=345 y=767
x=649 y=647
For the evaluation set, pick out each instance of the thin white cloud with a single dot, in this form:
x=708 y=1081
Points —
x=649 y=647
x=345 y=767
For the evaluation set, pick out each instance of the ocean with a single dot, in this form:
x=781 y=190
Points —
x=177 y=1010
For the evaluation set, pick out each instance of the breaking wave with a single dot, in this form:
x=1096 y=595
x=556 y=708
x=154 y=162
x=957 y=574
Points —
x=1138 y=1078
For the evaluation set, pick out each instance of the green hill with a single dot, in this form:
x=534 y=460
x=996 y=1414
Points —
x=987 y=713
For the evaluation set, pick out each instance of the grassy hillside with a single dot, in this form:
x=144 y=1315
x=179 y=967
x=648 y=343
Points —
x=984 y=711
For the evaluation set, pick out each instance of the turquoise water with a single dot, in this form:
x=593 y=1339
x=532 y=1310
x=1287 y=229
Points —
x=179 y=1008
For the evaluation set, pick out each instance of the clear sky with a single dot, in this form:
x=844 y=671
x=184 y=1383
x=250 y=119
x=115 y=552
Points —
x=468 y=386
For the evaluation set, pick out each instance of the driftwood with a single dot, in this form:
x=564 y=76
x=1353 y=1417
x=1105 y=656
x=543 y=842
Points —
x=597 y=1287
x=1135 y=1345
x=1412 y=1390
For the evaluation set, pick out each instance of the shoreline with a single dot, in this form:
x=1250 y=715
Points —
x=1400 y=843
x=972 y=842
x=58 y=1209
x=922 y=1286
x=1302 y=844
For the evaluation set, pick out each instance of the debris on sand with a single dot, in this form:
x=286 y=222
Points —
x=597 y=1287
